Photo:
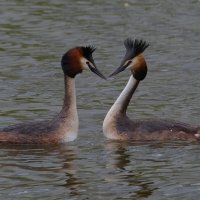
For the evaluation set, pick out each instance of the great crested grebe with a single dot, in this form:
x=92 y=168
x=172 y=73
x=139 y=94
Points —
x=118 y=126
x=64 y=127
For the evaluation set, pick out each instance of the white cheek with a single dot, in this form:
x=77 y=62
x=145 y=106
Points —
x=132 y=64
x=83 y=64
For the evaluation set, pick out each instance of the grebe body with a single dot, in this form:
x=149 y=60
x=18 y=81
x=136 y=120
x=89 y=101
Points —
x=63 y=127
x=118 y=126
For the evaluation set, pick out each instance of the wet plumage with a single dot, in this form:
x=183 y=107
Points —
x=118 y=126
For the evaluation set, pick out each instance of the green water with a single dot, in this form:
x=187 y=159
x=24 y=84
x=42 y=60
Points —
x=33 y=37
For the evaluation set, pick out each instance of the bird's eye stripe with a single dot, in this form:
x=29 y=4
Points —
x=91 y=65
x=128 y=62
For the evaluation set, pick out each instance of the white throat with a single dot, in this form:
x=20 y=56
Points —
x=69 y=113
x=117 y=106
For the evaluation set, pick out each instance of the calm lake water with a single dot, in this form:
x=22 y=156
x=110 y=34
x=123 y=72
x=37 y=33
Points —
x=33 y=37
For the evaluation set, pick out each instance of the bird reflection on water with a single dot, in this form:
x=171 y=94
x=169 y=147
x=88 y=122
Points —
x=72 y=182
x=41 y=169
x=120 y=160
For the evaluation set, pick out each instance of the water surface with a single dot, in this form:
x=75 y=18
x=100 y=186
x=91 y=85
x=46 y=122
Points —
x=33 y=37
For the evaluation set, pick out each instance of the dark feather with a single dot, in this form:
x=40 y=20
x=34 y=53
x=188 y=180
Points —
x=88 y=50
x=32 y=128
x=135 y=47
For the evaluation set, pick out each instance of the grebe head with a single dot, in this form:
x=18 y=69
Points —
x=134 y=59
x=78 y=59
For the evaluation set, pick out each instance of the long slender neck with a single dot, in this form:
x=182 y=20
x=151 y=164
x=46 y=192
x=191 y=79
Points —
x=122 y=102
x=69 y=106
x=68 y=113
x=66 y=122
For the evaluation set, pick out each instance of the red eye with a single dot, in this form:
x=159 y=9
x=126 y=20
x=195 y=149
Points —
x=129 y=62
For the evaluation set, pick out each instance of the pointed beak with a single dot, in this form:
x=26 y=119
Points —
x=95 y=70
x=121 y=68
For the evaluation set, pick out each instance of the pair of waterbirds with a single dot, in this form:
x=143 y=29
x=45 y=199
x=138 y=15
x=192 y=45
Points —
x=117 y=125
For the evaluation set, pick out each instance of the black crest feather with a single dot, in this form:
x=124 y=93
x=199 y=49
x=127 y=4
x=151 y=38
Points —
x=135 y=47
x=88 y=50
